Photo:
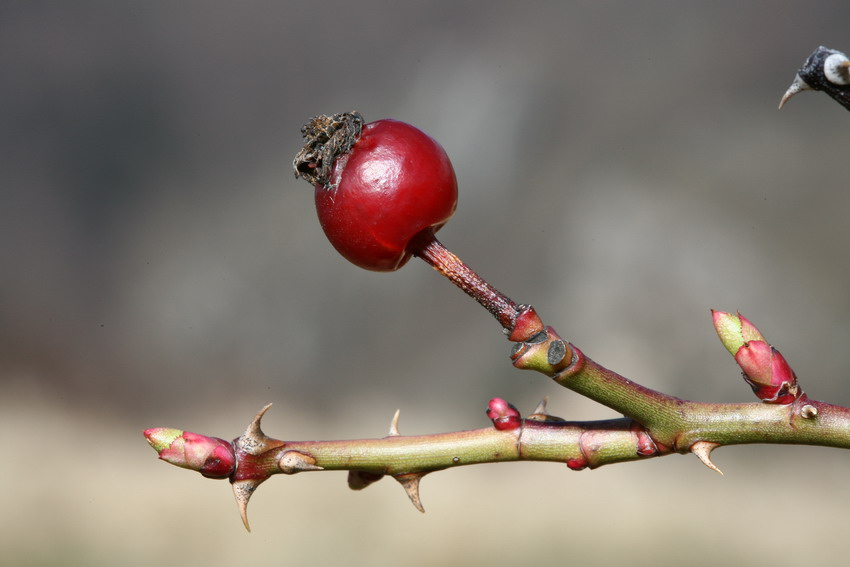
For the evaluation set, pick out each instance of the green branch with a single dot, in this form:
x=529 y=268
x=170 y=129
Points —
x=655 y=424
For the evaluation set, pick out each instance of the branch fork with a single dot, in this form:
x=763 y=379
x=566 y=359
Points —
x=653 y=424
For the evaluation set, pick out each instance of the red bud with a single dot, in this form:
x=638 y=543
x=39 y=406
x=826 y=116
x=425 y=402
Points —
x=503 y=415
x=210 y=456
x=768 y=373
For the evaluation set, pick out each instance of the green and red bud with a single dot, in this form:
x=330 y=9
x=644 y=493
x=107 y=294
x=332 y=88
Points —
x=764 y=367
x=504 y=416
x=734 y=330
x=210 y=456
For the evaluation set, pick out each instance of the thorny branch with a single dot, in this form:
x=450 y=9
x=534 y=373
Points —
x=654 y=424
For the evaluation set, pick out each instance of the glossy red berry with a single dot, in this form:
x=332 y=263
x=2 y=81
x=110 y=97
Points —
x=376 y=186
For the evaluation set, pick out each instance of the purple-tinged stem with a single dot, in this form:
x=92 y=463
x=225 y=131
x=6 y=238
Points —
x=426 y=246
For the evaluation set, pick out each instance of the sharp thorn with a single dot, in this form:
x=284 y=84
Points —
x=254 y=441
x=797 y=86
x=410 y=483
x=394 y=424
x=703 y=449
x=242 y=491
x=254 y=427
x=541 y=407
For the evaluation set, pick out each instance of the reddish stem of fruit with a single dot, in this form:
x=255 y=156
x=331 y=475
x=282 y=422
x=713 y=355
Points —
x=426 y=246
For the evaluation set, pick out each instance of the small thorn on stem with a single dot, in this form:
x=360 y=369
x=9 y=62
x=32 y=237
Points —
x=394 y=424
x=541 y=414
x=254 y=441
x=797 y=86
x=703 y=449
x=410 y=483
x=254 y=426
x=541 y=407
x=294 y=462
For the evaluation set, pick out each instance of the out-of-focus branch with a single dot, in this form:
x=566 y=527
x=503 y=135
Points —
x=826 y=70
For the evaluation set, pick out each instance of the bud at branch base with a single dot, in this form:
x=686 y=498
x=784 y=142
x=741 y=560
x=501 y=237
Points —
x=768 y=373
x=764 y=368
x=504 y=416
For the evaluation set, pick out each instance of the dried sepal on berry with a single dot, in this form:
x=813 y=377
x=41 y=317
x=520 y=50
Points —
x=326 y=138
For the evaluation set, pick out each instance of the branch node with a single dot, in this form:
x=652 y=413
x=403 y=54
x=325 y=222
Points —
x=808 y=411
x=646 y=446
x=703 y=449
x=410 y=483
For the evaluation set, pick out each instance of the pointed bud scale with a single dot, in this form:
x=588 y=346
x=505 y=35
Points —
x=768 y=373
x=210 y=456
x=504 y=416
x=734 y=330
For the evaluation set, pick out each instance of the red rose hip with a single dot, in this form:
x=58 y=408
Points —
x=377 y=190
x=382 y=192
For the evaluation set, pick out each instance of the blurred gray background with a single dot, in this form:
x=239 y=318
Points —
x=622 y=166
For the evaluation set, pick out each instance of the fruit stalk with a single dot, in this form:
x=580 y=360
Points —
x=426 y=246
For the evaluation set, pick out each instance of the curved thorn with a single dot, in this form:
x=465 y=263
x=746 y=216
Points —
x=254 y=427
x=394 y=424
x=797 y=86
x=254 y=441
x=703 y=449
x=242 y=491
x=410 y=483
